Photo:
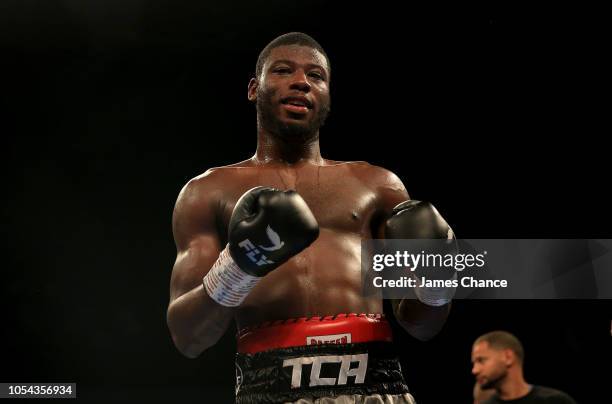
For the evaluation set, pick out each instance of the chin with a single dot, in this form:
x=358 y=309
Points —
x=294 y=125
x=294 y=132
x=296 y=120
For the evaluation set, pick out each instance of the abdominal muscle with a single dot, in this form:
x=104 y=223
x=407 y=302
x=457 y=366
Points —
x=324 y=279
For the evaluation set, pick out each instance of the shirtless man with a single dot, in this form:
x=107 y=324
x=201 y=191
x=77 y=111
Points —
x=273 y=243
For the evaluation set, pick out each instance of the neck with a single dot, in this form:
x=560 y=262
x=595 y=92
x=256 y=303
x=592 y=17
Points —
x=272 y=149
x=514 y=386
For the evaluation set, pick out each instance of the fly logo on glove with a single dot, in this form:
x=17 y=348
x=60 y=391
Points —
x=257 y=256
x=277 y=243
x=254 y=254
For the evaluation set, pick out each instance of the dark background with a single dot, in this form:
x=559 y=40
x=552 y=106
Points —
x=109 y=107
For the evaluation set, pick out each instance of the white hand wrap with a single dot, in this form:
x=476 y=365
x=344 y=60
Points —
x=226 y=283
x=435 y=296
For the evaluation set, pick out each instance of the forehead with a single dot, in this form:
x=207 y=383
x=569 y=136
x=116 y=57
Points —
x=481 y=348
x=298 y=54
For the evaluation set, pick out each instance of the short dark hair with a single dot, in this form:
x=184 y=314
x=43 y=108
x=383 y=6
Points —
x=503 y=340
x=292 y=38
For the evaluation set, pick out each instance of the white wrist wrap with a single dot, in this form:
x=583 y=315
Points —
x=226 y=283
x=435 y=296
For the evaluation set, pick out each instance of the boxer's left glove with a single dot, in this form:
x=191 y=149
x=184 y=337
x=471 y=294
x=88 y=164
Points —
x=267 y=228
x=421 y=220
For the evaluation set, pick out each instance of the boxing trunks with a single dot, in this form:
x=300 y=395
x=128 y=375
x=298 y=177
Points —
x=315 y=359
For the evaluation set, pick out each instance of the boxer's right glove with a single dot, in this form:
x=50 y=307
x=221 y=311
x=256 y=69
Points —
x=267 y=228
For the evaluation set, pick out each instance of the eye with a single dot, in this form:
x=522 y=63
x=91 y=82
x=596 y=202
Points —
x=316 y=75
x=282 y=70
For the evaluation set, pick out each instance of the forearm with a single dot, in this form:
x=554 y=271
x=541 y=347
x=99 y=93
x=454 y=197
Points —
x=420 y=320
x=197 y=322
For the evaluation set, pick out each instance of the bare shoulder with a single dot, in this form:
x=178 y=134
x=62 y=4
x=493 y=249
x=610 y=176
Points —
x=198 y=202
x=386 y=185
x=210 y=184
x=202 y=188
x=375 y=176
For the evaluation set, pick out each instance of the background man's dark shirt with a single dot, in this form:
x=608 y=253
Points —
x=537 y=395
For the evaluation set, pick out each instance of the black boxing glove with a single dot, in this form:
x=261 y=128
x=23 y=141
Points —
x=267 y=228
x=421 y=220
x=417 y=219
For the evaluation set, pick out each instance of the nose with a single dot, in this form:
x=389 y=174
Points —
x=475 y=370
x=300 y=81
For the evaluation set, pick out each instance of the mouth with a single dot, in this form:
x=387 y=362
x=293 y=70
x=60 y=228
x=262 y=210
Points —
x=299 y=105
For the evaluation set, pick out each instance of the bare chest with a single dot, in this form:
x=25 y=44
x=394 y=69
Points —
x=340 y=201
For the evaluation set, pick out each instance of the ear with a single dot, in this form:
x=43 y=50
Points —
x=509 y=357
x=252 y=91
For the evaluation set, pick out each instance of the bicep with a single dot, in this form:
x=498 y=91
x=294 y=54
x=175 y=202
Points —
x=193 y=263
x=391 y=193
x=196 y=238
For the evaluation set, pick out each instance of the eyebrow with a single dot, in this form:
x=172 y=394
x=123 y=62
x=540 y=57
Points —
x=290 y=62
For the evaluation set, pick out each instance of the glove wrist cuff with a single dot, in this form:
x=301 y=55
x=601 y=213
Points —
x=435 y=296
x=226 y=283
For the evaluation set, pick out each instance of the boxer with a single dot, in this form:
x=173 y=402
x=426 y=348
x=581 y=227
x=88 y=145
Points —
x=273 y=244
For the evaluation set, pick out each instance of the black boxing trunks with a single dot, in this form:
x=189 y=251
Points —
x=347 y=354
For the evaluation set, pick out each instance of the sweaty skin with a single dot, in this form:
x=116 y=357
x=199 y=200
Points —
x=350 y=200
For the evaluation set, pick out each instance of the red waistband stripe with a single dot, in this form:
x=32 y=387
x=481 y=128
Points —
x=338 y=329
